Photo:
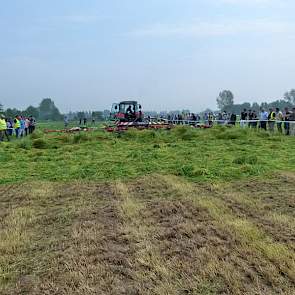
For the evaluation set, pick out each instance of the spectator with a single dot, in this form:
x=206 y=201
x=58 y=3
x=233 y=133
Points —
x=27 y=125
x=233 y=119
x=16 y=126
x=250 y=118
x=66 y=122
x=263 y=119
x=3 y=128
x=279 y=119
x=219 y=119
x=32 y=124
x=271 y=120
x=286 y=115
x=244 y=116
x=255 y=119
x=9 y=124
x=22 y=126
x=292 y=122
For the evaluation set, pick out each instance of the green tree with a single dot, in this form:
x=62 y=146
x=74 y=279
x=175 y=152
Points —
x=290 y=96
x=32 y=111
x=225 y=100
x=97 y=115
x=11 y=113
x=48 y=110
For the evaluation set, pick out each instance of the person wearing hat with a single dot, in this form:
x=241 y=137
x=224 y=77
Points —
x=3 y=128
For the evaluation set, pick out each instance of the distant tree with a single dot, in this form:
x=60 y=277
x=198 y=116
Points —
x=255 y=106
x=1 y=108
x=225 y=100
x=97 y=115
x=81 y=115
x=238 y=108
x=11 y=113
x=48 y=110
x=32 y=111
x=106 y=114
x=290 y=96
x=264 y=105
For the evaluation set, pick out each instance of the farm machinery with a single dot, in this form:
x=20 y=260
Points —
x=128 y=114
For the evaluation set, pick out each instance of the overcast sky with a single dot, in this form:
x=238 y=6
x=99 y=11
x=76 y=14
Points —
x=168 y=54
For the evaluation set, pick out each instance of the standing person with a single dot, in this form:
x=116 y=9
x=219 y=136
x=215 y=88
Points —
x=255 y=119
x=233 y=119
x=279 y=119
x=210 y=119
x=66 y=122
x=263 y=119
x=3 y=128
x=22 y=126
x=32 y=125
x=244 y=116
x=27 y=125
x=16 y=126
x=286 y=115
x=219 y=119
x=85 y=121
x=9 y=124
x=292 y=122
x=250 y=118
x=271 y=120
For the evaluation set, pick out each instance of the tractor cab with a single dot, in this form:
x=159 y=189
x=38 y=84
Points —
x=127 y=111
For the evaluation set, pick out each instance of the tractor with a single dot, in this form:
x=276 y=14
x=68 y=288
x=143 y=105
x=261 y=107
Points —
x=128 y=114
x=127 y=111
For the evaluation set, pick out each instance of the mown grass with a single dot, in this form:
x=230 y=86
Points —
x=184 y=211
x=217 y=154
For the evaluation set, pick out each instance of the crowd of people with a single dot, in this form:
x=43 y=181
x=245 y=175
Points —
x=19 y=126
x=269 y=120
x=281 y=120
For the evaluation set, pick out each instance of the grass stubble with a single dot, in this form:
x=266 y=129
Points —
x=183 y=230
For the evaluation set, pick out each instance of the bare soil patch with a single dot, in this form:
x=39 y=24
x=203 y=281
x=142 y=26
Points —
x=149 y=238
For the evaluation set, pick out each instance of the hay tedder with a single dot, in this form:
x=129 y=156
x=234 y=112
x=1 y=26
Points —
x=128 y=114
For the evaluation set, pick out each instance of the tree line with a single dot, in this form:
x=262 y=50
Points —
x=48 y=111
x=225 y=102
x=45 y=111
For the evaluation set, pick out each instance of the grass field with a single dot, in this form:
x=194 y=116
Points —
x=169 y=212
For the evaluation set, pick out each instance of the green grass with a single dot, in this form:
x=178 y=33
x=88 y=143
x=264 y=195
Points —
x=217 y=155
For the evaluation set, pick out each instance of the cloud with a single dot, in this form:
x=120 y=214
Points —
x=224 y=28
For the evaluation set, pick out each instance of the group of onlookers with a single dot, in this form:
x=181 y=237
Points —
x=266 y=120
x=269 y=120
x=20 y=126
x=183 y=117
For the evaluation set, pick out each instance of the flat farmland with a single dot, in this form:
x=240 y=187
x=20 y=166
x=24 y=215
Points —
x=180 y=212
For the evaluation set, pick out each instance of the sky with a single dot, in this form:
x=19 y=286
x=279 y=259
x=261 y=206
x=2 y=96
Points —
x=167 y=54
